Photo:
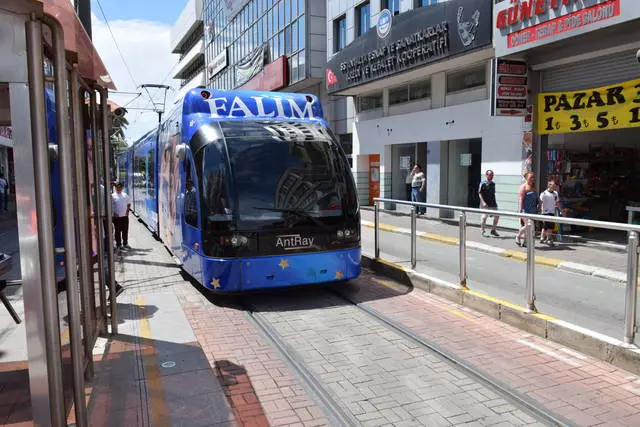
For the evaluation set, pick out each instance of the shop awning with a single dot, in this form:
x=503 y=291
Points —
x=78 y=44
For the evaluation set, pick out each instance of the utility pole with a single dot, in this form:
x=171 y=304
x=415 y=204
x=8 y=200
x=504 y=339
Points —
x=157 y=107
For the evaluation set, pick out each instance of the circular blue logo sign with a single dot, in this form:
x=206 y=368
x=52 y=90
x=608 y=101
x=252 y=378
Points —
x=384 y=23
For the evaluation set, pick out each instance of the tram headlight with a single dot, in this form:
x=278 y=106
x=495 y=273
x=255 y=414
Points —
x=340 y=234
x=237 y=241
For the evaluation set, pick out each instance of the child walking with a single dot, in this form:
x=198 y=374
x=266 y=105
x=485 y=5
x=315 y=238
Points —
x=550 y=201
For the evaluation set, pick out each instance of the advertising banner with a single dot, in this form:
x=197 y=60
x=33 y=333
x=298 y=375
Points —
x=604 y=108
x=510 y=88
x=250 y=66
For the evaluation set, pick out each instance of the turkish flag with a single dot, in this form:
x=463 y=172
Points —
x=331 y=78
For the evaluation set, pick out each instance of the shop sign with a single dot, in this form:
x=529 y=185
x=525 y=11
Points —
x=604 y=108
x=218 y=63
x=510 y=88
x=5 y=132
x=524 y=24
x=416 y=38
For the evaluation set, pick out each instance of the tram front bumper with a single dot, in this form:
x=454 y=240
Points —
x=280 y=271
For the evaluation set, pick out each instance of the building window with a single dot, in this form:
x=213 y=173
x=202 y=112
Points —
x=420 y=90
x=340 y=33
x=369 y=102
x=424 y=3
x=346 y=141
x=467 y=79
x=392 y=5
x=363 y=18
x=398 y=95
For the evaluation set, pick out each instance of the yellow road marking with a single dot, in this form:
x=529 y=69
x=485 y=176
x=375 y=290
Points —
x=390 y=264
x=390 y=285
x=439 y=238
x=514 y=254
x=155 y=388
x=496 y=300
x=460 y=314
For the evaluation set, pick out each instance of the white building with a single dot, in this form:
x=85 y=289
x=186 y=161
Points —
x=417 y=89
x=187 y=40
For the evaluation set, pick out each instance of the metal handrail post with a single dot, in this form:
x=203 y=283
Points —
x=99 y=206
x=84 y=245
x=531 y=264
x=630 y=304
x=44 y=218
x=376 y=229
x=111 y=274
x=463 y=250
x=67 y=184
x=413 y=237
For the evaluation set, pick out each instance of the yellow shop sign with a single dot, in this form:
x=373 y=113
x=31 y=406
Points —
x=603 y=108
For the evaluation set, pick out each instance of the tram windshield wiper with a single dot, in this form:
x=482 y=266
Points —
x=299 y=212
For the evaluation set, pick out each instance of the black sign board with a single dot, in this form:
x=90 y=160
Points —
x=418 y=37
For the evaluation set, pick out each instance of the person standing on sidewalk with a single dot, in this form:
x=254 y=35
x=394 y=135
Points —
x=550 y=202
x=418 y=186
x=408 y=179
x=4 y=187
x=487 y=193
x=121 y=207
x=527 y=203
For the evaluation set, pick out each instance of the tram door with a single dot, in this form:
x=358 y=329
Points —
x=190 y=222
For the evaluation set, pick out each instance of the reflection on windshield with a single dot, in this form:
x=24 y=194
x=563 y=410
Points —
x=286 y=170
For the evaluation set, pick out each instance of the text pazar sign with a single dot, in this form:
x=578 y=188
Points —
x=412 y=39
x=604 y=108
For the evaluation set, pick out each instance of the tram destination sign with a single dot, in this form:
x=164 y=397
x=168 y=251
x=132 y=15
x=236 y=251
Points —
x=603 y=108
x=412 y=39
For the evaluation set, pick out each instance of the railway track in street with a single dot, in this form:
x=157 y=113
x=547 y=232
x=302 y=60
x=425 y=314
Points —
x=359 y=364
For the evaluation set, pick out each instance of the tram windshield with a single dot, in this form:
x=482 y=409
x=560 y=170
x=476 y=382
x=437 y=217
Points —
x=280 y=170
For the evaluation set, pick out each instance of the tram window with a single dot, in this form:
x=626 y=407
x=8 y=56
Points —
x=150 y=173
x=190 y=205
x=215 y=184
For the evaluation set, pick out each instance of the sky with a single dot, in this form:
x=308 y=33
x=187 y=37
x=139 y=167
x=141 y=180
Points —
x=142 y=31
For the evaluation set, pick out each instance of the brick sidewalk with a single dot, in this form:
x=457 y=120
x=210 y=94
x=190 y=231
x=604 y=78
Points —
x=587 y=391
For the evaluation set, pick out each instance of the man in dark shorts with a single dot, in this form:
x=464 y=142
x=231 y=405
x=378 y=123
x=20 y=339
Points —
x=487 y=193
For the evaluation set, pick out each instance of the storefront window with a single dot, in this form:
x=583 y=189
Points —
x=398 y=95
x=420 y=90
x=369 y=102
x=467 y=79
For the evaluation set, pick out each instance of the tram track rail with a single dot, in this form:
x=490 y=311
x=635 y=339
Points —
x=520 y=400
x=340 y=416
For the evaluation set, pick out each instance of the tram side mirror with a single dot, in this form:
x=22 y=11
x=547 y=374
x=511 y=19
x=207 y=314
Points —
x=181 y=151
x=638 y=56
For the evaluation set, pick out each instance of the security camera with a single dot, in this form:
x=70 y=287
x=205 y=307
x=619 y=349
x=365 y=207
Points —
x=638 y=55
x=120 y=112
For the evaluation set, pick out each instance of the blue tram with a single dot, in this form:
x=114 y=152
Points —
x=249 y=190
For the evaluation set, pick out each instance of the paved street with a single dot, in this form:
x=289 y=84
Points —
x=184 y=357
x=588 y=301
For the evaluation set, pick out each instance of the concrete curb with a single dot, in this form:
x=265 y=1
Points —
x=588 y=342
x=587 y=270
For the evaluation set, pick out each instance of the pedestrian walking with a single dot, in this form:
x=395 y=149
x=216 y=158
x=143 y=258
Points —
x=121 y=207
x=407 y=181
x=418 y=186
x=527 y=203
x=4 y=188
x=550 y=201
x=487 y=193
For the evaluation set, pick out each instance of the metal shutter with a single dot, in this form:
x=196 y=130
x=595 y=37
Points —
x=603 y=71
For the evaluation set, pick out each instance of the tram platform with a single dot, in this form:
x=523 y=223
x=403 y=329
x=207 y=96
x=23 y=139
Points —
x=183 y=357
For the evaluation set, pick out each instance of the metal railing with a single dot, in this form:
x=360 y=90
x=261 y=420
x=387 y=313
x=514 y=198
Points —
x=630 y=327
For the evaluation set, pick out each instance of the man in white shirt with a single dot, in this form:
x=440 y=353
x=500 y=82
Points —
x=550 y=202
x=121 y=207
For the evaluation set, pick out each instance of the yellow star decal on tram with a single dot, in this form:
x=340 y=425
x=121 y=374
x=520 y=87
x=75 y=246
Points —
x=191 y=123
x=283 y=263
x=339 y=275
x=215 y=283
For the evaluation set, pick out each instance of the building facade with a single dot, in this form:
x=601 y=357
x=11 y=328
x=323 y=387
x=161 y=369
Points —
x=411 y=83
x=266 y=45
x=187 y=40
x=583 y=81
